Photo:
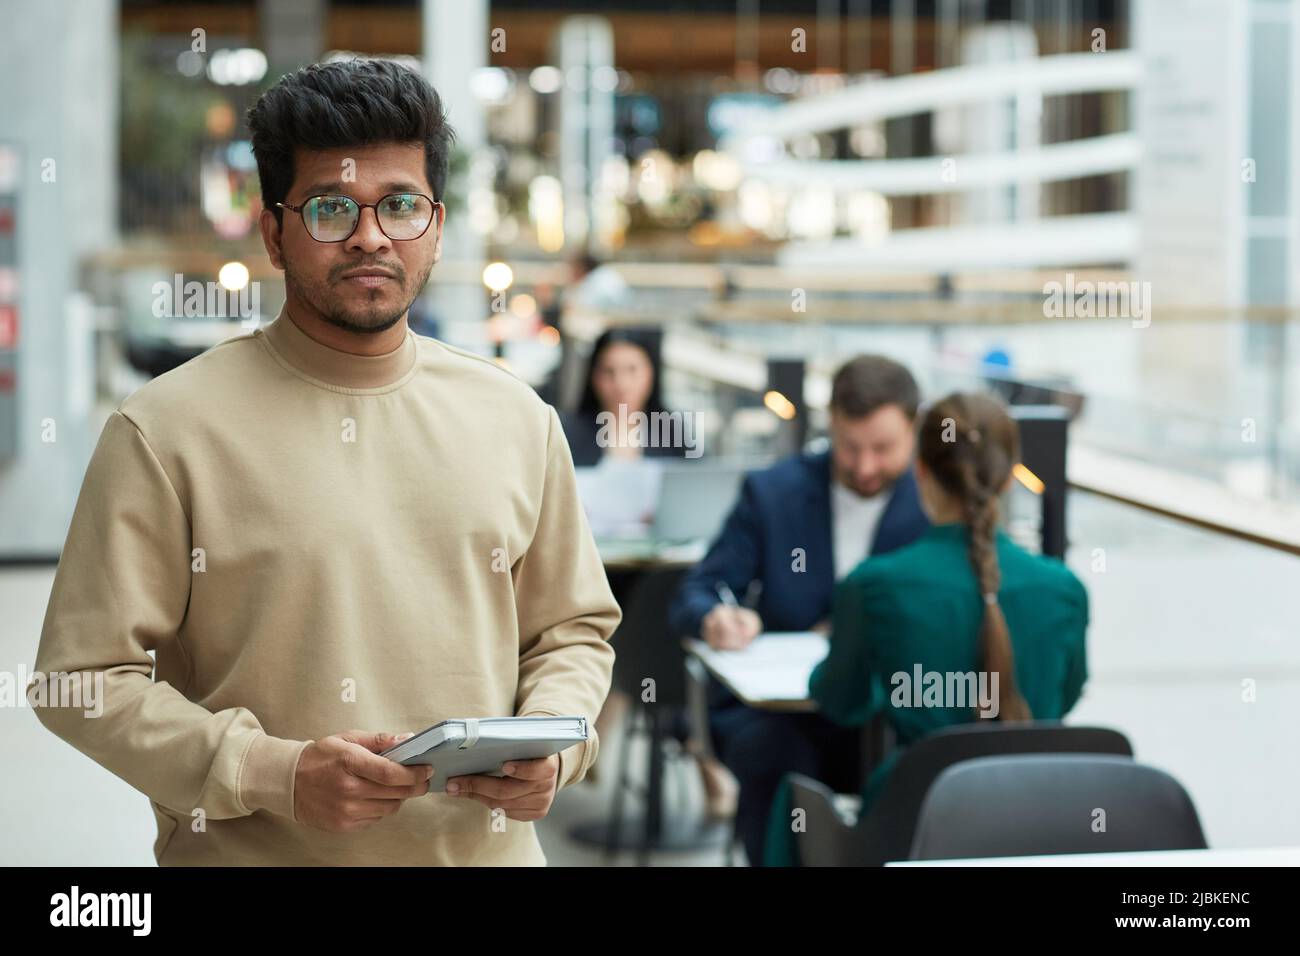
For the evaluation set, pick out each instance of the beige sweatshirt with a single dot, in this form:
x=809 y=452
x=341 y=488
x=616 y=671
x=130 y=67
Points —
x=313 y=542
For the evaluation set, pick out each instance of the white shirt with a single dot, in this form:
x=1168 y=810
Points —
x=853 y=525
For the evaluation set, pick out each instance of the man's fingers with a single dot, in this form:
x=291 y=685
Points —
x=734 y=639
x=745 y=625
x=722 y=622
x=497 y=788
x=368 y=788
x=532 y=807
x=374 y=742
x=541 y=768
x=390 y=773
x=727 y=627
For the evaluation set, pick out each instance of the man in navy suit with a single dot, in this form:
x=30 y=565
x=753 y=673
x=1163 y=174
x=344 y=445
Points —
x=800 y=526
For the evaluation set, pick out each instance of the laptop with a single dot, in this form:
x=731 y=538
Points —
x=636 y=508
x=694 y=500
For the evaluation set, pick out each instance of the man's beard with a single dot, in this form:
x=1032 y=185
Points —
x=368 y=322
x=846 y=480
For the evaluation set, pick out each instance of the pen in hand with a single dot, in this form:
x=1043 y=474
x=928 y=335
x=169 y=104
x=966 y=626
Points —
x=730 y=627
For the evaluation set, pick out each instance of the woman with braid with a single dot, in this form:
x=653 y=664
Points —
x=961 y=625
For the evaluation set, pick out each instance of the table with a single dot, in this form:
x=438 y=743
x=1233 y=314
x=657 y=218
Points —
x=771 y=673
x=648 y=554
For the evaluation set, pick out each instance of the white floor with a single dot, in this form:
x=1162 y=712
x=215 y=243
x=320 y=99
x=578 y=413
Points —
x=1180 y=619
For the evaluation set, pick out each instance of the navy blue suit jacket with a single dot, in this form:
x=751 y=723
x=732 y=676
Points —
x=781 y=509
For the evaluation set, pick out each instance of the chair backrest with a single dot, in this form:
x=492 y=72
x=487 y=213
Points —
x=826 y=839
x=1031 y=805
x=884 y=831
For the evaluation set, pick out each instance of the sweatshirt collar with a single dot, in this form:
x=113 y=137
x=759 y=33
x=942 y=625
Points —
x=331 y=367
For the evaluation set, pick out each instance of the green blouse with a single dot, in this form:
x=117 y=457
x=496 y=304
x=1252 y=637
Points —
x=905 y=624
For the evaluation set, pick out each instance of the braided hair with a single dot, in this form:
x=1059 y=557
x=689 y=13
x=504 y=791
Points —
x=969 y=444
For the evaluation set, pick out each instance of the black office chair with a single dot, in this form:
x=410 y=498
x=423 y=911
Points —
x=1053 y=804
x=884 y=832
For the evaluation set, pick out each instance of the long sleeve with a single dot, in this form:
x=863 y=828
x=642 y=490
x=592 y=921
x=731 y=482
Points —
x=842 y=684
x=566 y=612
x=734 y=558
x=122 y=590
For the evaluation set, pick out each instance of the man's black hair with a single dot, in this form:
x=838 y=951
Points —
x=346 y=103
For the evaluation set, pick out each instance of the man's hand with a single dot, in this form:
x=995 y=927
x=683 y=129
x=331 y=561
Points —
x=525 y=793
x=729 y=628
x=342 y=785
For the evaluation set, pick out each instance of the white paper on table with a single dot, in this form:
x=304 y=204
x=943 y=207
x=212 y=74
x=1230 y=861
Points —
x=775 y=666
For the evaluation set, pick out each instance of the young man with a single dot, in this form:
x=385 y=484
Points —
x=332 y=523
x=799 y=527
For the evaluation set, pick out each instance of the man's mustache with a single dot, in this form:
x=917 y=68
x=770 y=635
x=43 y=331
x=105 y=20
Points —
x=393 y=267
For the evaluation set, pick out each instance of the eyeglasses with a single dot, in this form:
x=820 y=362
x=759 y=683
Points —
x=402 y=216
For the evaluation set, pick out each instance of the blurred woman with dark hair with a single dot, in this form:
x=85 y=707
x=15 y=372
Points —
x=620 y=399
x=963 y=600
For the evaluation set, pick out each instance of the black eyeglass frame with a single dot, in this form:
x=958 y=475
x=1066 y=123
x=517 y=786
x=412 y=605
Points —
x=439 y=211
